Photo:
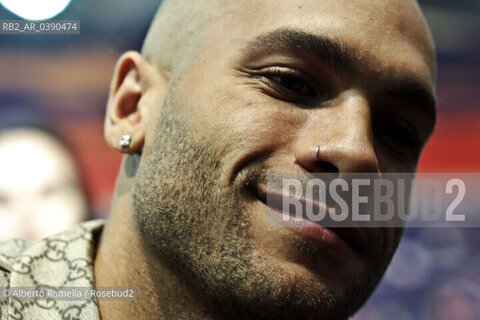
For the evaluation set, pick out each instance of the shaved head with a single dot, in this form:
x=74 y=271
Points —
x=180 y=27
x=177 y=31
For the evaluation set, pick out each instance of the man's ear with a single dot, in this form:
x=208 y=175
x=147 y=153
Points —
x=127 y=110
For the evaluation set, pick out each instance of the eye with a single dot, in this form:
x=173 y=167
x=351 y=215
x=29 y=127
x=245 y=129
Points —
x=294 y=84
x=290 y=84
x=398 y=134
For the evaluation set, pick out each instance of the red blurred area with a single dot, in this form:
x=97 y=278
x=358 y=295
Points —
x=454 y=145
x=98 y=164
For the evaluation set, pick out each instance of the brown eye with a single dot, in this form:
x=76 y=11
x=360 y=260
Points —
x=293 y=84
x=289 y=84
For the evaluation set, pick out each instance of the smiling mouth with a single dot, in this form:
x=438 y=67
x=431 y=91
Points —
x=340 y=238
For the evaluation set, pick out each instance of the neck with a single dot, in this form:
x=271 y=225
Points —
x=122 y=261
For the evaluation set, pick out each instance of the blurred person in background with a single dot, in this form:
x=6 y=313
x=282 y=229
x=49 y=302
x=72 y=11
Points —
x=40 y=190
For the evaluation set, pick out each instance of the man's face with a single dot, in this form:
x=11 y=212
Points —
x=273 y=80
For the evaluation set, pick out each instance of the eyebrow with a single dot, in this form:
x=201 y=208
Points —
x=330 y=50
x=340 y=57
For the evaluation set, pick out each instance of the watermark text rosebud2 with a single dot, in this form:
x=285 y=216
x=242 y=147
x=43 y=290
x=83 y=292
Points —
x=375 y=200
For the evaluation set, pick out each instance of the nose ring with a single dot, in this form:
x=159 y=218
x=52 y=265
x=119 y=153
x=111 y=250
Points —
x=317 y=151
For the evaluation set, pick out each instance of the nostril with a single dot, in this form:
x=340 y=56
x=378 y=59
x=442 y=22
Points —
x=325 y=166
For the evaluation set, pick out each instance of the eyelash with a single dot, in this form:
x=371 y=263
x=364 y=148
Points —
x=287 y=94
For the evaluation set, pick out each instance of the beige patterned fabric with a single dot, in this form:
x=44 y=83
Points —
x=61 y=260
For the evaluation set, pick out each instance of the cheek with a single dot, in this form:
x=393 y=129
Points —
x=235 y=119
x=233 y=109
x=260 y=122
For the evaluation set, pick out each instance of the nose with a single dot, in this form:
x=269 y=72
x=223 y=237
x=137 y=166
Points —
x=339 y=139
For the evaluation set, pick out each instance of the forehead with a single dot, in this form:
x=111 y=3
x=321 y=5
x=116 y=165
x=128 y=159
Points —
x=389 y=33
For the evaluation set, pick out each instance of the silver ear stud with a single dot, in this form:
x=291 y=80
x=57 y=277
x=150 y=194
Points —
x=125 y=141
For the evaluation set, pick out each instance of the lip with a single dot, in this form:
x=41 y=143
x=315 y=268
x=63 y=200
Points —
x=336 y=238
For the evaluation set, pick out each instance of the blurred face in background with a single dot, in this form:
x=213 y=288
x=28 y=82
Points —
x=39 y=190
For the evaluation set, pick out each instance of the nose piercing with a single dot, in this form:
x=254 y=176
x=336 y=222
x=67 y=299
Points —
x=125 y=141
x=317 y=151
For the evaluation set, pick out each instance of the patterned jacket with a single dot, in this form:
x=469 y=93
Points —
x=61 y=260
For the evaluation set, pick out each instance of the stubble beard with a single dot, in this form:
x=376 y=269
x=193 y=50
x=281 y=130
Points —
x=200 y=231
